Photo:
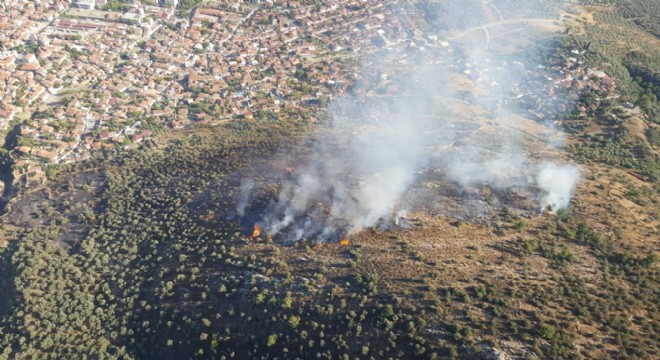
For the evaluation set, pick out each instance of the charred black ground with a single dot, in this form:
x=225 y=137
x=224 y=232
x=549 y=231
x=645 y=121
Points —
x=433 y=192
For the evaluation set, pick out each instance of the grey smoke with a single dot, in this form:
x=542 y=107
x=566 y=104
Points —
x=370 y=161
x=244 y=196
x=395 y=126
x=502 y=171
x=558 y=184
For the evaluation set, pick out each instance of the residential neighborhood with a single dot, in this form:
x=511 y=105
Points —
x=329 y=179
x=81 y=76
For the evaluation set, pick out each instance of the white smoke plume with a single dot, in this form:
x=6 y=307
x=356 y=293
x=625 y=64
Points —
x=409 y=116
x=501 y=172
x=244 y=196
x=355 y=177
x=558 y=184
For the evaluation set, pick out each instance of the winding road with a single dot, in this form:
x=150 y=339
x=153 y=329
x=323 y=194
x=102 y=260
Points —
x=485 y=27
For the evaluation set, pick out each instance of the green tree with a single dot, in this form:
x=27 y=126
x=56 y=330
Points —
x=272 y=340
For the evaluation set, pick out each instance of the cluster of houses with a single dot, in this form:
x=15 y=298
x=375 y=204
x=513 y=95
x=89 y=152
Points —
x=78 y=75
x=545 y=93
x=552 y=93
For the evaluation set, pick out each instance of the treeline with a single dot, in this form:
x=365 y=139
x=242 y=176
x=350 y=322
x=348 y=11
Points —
x=645 y=71
x=154 y=279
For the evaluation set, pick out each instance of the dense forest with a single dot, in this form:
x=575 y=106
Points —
x=146 y=271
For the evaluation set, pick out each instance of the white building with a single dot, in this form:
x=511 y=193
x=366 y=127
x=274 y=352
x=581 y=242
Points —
x=86 y=4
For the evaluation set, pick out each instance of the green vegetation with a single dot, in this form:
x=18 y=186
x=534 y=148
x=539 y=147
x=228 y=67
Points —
x=618 y=44
x=149 y=278
x=185 y=5
x=117 y=5
x=150 y=269
x=645 y=71
x=131 y=256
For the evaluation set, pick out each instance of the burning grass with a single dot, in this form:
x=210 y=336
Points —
x=256 y=231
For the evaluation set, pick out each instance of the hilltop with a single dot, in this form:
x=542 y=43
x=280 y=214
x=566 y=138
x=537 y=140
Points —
x=123 y=235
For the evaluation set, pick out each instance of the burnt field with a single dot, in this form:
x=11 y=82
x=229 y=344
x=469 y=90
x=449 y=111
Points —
x=159 y=245
x=416 y=218
x=253 y=192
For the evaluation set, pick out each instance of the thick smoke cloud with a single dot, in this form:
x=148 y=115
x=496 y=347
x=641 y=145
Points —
x=557 y=183
x=418 y=109
x=355 y=177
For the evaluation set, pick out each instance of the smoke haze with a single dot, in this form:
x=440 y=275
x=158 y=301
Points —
x=557 y=183
x=415 y=110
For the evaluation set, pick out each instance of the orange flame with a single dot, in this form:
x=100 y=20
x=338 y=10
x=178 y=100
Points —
x=344 y=242
x=256 y=232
